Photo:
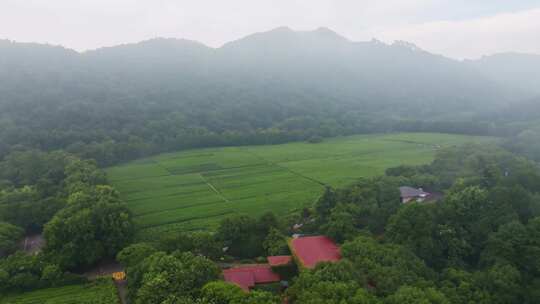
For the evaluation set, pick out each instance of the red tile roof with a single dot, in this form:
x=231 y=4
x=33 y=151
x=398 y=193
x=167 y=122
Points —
x=249 y=275
x=243 y=279
x=279 y=260
x=312 y=250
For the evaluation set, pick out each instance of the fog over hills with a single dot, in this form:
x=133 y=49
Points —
x=512 y=69
x=280 y=80
x=321 y=60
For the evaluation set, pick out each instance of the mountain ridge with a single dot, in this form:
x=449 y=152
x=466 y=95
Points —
x=320 y=61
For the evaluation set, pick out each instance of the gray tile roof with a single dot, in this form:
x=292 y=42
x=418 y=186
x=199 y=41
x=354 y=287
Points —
x=411 y=192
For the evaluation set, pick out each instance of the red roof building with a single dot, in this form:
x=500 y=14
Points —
x=311 y=250
x=279 y=260
x=249 y=275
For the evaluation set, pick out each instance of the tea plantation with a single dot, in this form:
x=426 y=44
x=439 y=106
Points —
x=100 y=292
x=194 y=189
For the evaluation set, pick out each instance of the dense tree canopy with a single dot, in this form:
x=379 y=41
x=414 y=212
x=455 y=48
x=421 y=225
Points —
x=245 y=236
x=10 y=235
x=95 y=224
x=161 y=277
x=67 y=199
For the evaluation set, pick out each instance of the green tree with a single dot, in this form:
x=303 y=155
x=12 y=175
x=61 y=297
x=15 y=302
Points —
x=202 y=243
x=32 y=167
x=95 y=224
x=326 y=203
x=242 y=236
x=51 y=275
x=460 y=286
x=415 y=227
x=135 y=254
x=385 y=266
x=465 y=224
x=318 y=283
x=222 y=293
x=82 y=173
x=160 y=276
x=517 y=245
x=259 y=297
x=20 y=272
x=275 y=243
x=414 y=295
x=519 y=199
x=376 y=199
x=325 y=292
x=10 y=235
x=341 y=224
x=504 y=284
x=26 y=208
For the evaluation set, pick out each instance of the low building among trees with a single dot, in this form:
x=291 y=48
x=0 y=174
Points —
x=311 y=250
x=280 y=260
x=307 y=253
x=248 y=276
x=408 y=194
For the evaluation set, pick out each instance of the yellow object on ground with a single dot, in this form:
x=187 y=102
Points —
x=119 y=276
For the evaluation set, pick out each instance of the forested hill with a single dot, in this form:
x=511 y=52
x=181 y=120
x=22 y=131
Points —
x=122 y=102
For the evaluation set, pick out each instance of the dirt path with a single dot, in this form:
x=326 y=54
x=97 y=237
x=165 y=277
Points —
x=104 y=268
x=121 y=286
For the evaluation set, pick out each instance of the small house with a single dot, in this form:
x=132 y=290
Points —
x=249 y=276
x=408 y=194
x=279 y=260
x=307 y=252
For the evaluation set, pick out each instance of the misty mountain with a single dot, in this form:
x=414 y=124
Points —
x=511 y=69
x=276 y=86
x=372 y=73
x=320 y=65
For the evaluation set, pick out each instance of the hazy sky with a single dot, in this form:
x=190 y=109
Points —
x=455 y=28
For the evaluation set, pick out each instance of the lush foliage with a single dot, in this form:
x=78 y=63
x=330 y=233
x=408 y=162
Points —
x=20 y=272
x=160 y=277
x=10 y=235
x=244 y=236
x=83 y=220
x=32 y=187
x=226 y=293
x=94 y=224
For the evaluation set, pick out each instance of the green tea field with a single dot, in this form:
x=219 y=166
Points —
x=195 y=189
x=100 y=292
